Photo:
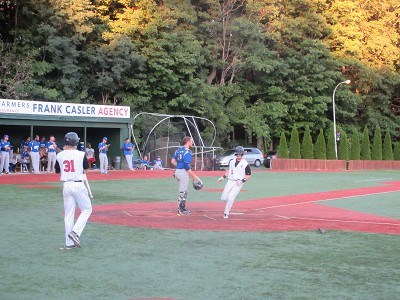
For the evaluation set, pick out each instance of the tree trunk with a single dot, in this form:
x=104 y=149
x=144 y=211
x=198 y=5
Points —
x=212 y=75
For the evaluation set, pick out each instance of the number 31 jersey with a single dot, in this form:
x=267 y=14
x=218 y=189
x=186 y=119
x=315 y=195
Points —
x=71 y=164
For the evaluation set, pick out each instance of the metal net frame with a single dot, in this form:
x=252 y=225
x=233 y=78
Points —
x=161 y=134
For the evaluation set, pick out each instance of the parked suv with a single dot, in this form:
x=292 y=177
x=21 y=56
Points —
x=253 y=156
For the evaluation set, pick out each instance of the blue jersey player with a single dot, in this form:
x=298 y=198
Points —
x=181 y=160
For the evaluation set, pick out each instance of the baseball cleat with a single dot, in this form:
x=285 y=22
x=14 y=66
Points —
x=68 y=247
x=183 y=212
x=226 y=216
x=75 y=238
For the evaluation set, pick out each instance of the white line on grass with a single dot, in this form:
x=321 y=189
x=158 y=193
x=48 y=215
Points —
x=377 y=179
x=337 y=220
x=323 y=200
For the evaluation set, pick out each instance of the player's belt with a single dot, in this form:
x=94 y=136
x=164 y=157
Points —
x=73 y=181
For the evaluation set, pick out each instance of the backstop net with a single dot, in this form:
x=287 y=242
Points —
x=161 y=134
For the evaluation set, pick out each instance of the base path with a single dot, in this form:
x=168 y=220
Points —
x=296 y=212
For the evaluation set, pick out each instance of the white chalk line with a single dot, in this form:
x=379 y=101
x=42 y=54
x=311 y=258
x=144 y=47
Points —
x=338 y=220
x=324 y=200
x=377 y=179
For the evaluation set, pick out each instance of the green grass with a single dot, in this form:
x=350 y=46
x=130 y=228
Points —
x=128 y=263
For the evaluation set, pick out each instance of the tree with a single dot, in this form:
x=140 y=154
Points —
x=320 y=146
x=396 y=152
x=343 y=147
x=283 y=151
x=330 y=145
x=376 y=153
x=15 y=72
x=387 y=153
x=294 y=147
x=355 y=151
x=307 y=150
x=113 y=68
x=365 y=145
x=357 y=29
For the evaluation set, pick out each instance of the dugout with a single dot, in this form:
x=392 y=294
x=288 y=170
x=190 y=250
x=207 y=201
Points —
x=20 y=119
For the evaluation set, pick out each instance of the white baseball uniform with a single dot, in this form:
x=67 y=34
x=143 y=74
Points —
x=234 y=184
x=71 y=165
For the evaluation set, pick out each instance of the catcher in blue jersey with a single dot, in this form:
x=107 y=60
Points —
x=181 y=160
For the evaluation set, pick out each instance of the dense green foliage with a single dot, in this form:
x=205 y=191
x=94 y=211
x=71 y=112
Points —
x=283 y=150
x=343 y=147
x=307 y=150
x=320 y=146
x=387 y=152
x=330 y=144
x=355 y=147
x=376 y=152
x=396 y=151
x=294 y=144
x=253 y=67
x=365 y=145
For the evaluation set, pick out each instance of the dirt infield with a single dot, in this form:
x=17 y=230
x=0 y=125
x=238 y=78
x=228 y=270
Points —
x=297 y=212
x=270 y=214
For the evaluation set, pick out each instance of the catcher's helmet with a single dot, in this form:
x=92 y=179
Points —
x=239 y=150
x=198 y=185
x=71 y=139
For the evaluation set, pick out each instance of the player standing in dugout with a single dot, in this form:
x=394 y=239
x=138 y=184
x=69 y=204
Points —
x=71 y=163
x=181 y=160
x=238 y=173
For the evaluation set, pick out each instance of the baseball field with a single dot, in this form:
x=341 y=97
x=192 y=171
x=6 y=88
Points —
x=290 y=235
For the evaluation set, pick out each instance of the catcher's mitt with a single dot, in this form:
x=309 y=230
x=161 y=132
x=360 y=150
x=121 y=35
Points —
x=198 y=185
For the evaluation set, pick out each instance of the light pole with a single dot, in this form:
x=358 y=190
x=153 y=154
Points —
x=334 y=115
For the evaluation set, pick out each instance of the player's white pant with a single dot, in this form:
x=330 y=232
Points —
x=103 y=163
x=51 y=161
x=5 y=161
x=75 y=193
x=129 y=161
x=229 y=194
x=35 y=159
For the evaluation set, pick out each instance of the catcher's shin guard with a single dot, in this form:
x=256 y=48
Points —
x=182 y=205
x=182 y=196
x=182 y=210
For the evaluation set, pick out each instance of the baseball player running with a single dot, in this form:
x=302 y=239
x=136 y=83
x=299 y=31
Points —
x=238 y=173
x=71 y=163
x=181 y=160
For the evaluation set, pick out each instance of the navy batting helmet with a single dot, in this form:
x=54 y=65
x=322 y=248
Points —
x=71 y=139
x=239 y=150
